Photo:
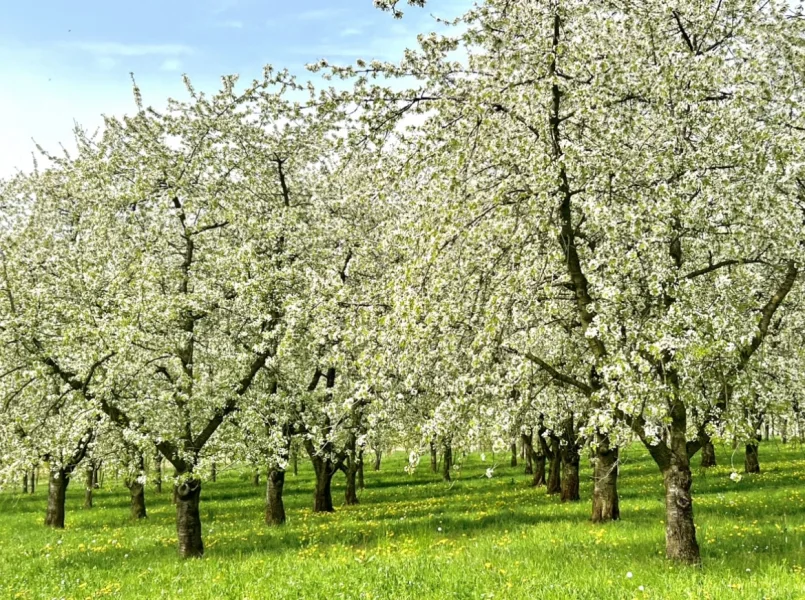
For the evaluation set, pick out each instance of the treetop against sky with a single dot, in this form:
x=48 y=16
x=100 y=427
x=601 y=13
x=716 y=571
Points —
x=65 y=62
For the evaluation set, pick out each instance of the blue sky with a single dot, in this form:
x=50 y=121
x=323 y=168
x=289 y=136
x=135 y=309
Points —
x=62 y=61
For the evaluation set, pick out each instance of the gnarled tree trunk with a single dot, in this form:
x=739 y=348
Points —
x=708 y=455
x=57 y=489
x=514 y=454
x=434 y=459
x=137 y=494
x=275 y=508
x=361 y=482
x=538 y=459
x=25 y=481
x=188 y=519
x=605 y=483
x=378 y=456
x=752 y=460
x=256 y=478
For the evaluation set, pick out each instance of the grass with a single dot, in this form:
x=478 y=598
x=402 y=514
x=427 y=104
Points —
x=415 y=537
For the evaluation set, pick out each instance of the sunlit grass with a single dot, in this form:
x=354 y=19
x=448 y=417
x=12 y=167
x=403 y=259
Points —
x=415 y=537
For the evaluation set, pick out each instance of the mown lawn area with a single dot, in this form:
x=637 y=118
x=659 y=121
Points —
x=415 y=537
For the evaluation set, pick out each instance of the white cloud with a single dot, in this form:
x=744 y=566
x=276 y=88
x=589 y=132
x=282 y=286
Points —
x=171 y=64
x=350 y=31
x=117 y=49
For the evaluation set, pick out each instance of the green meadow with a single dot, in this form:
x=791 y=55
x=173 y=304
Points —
x=413 y=536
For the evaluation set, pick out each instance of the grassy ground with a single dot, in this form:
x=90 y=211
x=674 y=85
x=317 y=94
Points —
x=415 y=537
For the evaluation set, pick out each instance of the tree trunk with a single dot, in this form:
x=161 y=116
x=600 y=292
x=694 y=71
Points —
x=88 y=490
x=708 y=455
x=25 y=481
x=538 y=460
x=351 y=493
x=188 y=519
x=34 y=479
x=275 y=509
x=447 y=462
x=434 y=460
x=378 y=456
x=323 y=496
x=295 y=461
x=554 y=483
x=256 y=478
x=605 y=484
x=361 y=482
x=175 y=499
x=514 y=454
x=680 y=531
x=528 y=441
x=570 y=473
x=57 y=488
x=784 y=431
x=674 y=463
x=136 y=487
x=213 y=472
x=158 y=473
x=137 y=493
x=752 y=462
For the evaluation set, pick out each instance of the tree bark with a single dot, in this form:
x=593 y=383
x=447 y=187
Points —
x=34 y=479
x=570 y=473
x=88 y=489
x=378 y=457
x=188 y=519
x=447 y=462
x=256 y=478
x=680 y=531
x=275 y=509
x=514 y=454
x=554 y=483
x=361 y=482
x=752 y=461
x=25 y=481
x=538 y=459
x=57 y=488
x=295 y=461
x=528 y=441
x=323 y=495
x=708 y=455
x=605 y=484
x=674 y=463
x=136 y=487
x=434 y=459
x=137 y=493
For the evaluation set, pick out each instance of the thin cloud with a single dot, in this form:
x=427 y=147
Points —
x=171 y=64
x=231 y=24
x=350 y=31
x=117 y=49
x=320 y=14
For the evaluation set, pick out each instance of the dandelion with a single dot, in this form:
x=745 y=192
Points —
x=641 y=588
x=483 y=457
x=735 y=477
x=629 y=575
x=438 y=529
